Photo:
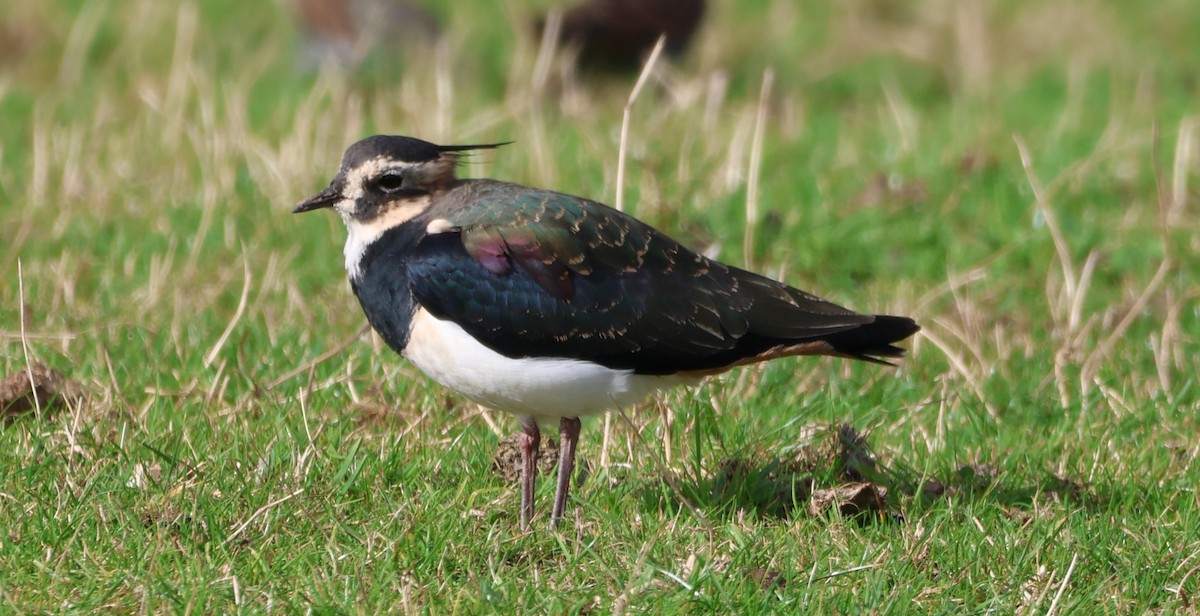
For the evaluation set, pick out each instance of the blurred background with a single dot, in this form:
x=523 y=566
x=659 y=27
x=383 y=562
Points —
x=1020 y=177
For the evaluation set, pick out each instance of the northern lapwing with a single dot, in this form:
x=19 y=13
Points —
x=550 y=306
x=343 y=33
x=619 y=34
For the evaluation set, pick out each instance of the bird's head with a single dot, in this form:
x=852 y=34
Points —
x=385 y=176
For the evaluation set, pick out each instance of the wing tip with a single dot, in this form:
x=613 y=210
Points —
x=873 y=341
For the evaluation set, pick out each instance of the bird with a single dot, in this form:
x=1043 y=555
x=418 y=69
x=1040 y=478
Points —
x=618 y=34
x=343 y=33
x=550 y=306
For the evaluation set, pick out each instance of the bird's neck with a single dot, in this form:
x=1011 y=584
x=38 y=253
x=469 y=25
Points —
x=380 y=281
x=362 y=234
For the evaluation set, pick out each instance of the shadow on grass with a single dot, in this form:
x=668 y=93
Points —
x=836 y=469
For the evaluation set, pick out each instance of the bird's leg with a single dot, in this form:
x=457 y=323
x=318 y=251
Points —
x=568 y=432
x=531 y=440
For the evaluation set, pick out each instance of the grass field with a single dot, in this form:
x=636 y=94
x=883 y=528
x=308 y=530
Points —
x=1020 y=177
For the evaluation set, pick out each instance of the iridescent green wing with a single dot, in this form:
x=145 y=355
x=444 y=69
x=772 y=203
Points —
x=542 y=274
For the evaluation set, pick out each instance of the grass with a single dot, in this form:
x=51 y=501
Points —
x=1020 y=178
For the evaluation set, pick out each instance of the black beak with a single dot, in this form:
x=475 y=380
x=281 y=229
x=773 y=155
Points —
x=325 y=198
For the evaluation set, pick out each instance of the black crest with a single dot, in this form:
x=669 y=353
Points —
x=407 y=149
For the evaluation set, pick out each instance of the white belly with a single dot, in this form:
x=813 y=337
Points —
x=537 y=387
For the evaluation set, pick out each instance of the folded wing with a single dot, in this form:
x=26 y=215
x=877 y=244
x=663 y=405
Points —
x=536 y=273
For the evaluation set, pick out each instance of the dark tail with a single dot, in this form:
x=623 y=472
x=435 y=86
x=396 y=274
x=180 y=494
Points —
x=873 y=341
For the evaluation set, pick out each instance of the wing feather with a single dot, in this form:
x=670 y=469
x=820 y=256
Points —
x=537 y=273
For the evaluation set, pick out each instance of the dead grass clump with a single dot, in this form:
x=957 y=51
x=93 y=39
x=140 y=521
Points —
x=507 y=458
x=39 y=388
x=849 y=500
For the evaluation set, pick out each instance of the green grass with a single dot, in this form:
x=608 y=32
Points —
x=149 y=155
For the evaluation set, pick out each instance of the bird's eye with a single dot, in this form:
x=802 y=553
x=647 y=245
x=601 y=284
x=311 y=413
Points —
x=390 y=182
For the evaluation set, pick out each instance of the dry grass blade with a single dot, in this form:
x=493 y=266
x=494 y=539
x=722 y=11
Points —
x=647 y=69
x=546 y=49
x=237 y=532
x=606 y=437
x=960 y=367
x=1102 y=351
x=1062 y=586
x=83 y=33
x=760 y=124
x=631 y=587
x=835 y=574
x=1056 y=233
x=1075 y=315
x=237 y=314
x=1181 y=588
x=37 y=404
x=322 y=358
x=662 y=467
x=1185 y=143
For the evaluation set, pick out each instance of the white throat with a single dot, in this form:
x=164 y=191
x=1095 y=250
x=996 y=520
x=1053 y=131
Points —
x=361 y=234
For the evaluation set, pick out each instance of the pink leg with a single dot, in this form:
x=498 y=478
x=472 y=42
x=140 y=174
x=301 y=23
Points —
x=531 y=440
x=568 y=431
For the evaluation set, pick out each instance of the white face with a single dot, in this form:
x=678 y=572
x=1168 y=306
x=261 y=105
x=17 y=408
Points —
x=371 y=184
x=362 y=234
x=367 y=186
x=375 y=193
x=378 y=195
